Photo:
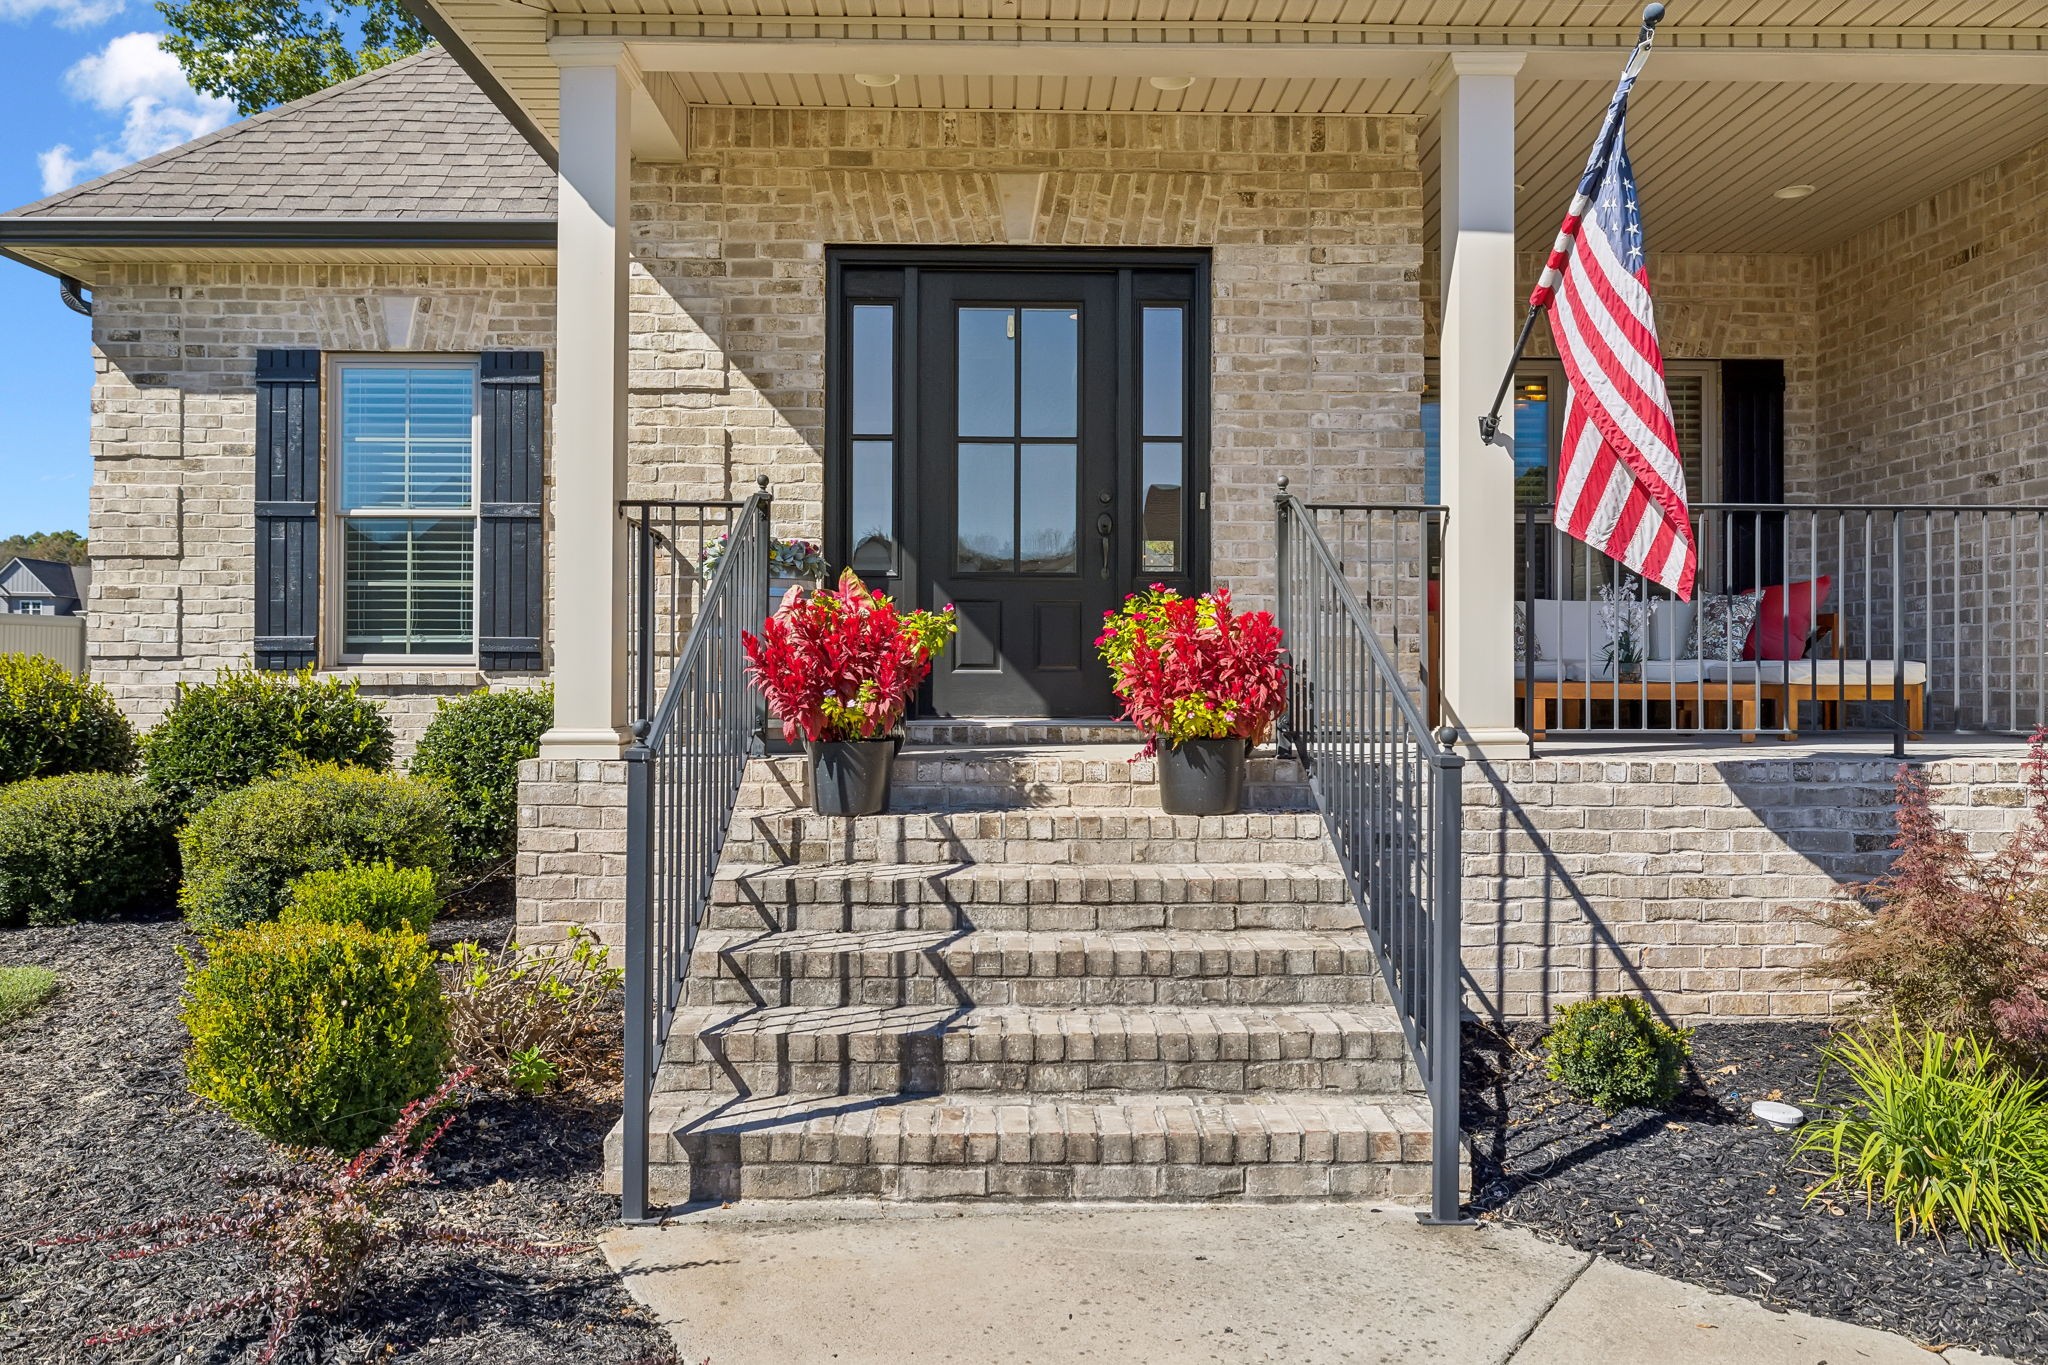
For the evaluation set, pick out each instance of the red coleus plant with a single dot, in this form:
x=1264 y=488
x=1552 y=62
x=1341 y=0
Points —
x=1191 y=668
x=841 y=665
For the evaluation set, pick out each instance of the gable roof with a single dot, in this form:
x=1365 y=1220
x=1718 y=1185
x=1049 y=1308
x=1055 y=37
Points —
x=52 y=578
x=413 y=142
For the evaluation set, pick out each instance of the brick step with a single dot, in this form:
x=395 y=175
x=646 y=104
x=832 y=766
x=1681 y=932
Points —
x=930 y=1049
x=1011 y=777
x=1126 y=1147
x=1026 y=730
x=1024 y=896
x=1066 y=835
x=1015 y=967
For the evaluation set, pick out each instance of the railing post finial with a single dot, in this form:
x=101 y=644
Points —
x=1281 y=494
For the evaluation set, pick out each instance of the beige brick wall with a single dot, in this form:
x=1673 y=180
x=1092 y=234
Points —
x=1690 y=881
x=1315 y=225
x=173 y=434
x=572 y=847
x=1933 y=351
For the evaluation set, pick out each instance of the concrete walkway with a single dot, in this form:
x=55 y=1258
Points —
x=867 y=1284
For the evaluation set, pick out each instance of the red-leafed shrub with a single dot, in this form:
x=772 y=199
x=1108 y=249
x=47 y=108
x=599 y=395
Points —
x=1949 y=941
x=842 y=664
x=318 y=1225
x=1191 y=668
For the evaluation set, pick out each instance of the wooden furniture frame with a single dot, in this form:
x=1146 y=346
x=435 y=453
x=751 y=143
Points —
x=1568 y=695
x=1831 y=694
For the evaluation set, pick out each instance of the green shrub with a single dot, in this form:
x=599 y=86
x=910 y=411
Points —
x=22 y=992
x=83 y=846
x=245 y=726
x=1939 y=1131
x=52 y=722
x=473 y=748
x=1615 y=1053
x=242 y=851
x=381 y=896
x=315 y=1035
x=529 y=1016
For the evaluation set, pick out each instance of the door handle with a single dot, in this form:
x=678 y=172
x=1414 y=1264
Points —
x=1105 y=527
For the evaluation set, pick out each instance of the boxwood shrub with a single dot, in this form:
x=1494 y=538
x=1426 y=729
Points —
x=1615 y=1053
x=53 y=722
x=246 y=725
x=473 y=747
x=381 y=896
x=315 y=1034
x=83 y=846
x=242 y=851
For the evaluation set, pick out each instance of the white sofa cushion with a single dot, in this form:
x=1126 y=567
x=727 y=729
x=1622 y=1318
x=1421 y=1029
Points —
x=1824 y=672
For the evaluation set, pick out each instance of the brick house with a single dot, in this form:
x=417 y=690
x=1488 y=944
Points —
x=1022 y=307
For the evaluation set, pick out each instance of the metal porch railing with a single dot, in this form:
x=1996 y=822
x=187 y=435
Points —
x=683 y=772
x=1390 y=792
x=1896 y=619
x=666 y=580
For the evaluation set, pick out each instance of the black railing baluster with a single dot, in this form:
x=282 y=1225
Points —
x=683 y=770
x=1389 y=790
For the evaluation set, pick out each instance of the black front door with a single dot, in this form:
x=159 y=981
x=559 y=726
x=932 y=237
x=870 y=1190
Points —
x=1018 y=442
x=1017 y=455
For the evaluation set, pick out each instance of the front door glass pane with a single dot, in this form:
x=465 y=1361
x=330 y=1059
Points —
x=987 y=540
x=1165 y=378
x=988 y=372
x=1051 y=393
x=1048 y=510
x=874 y=369
x=874 y=506
x=1160 y=508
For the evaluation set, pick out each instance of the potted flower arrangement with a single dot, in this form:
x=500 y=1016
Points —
x=791 y=564
x=838 y=668
x=1204 y=684
x=1625 y=617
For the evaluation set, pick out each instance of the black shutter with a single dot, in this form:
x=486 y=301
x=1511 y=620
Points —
x=511 y=595
x=287 y=508
x=1753 y=468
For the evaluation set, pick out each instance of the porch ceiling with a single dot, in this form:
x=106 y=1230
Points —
x=1876 y=104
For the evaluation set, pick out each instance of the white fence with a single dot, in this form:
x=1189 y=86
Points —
x=60 y=637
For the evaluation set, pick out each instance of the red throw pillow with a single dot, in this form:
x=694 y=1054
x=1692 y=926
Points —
x=1785 y=618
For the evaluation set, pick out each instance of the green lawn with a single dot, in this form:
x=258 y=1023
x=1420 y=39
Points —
x=22 y=992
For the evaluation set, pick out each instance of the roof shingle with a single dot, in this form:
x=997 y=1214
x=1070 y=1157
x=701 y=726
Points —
x=413 y=140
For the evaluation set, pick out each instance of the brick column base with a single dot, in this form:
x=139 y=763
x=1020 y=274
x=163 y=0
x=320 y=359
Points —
x=572 y=848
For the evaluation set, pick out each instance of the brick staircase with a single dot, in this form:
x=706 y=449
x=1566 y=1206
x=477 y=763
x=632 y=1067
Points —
x=1025 y=981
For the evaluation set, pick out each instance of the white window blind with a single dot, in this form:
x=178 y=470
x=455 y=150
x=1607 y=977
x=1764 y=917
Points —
x=407 y=495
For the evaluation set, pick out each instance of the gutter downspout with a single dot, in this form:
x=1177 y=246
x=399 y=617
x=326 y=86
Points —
x=72 y=292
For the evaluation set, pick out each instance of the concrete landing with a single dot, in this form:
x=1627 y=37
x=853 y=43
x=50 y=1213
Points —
x=1302 y=1284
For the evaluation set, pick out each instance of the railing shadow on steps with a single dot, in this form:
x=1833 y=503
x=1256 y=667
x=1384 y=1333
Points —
x=683 y=772
x=1390 y=793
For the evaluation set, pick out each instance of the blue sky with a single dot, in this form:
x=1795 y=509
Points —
x=83 y=89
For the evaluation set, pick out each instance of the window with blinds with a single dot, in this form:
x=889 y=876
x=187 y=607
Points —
x=406 y=501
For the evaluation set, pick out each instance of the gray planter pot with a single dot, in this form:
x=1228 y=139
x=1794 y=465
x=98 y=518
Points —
x=851 y=776
x=777 y=586
x=1202 y=777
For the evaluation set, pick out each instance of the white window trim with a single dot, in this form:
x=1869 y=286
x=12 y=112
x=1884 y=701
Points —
x=333 y=517
x=1709 y=371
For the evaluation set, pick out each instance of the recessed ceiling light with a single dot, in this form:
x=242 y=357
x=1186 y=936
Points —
x=1793 y=191
x=1172 y=82
x=876 y=80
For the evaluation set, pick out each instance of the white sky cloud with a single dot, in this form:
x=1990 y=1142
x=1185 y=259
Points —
x=65 y=13
x=133 y=77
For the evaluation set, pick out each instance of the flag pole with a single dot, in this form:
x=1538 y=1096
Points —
x=1539 y=300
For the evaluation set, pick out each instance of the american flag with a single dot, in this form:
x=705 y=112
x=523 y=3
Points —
x=1620 y=484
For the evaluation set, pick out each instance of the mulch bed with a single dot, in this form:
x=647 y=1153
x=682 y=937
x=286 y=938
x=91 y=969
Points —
x=1706 y=1194
x=97 y=1129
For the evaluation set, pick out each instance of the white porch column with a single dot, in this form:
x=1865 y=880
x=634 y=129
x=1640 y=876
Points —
x=1476 y=198
x=589 y=613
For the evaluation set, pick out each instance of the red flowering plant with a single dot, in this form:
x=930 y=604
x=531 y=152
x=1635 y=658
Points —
x=1191 y=668
x=842 y=664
